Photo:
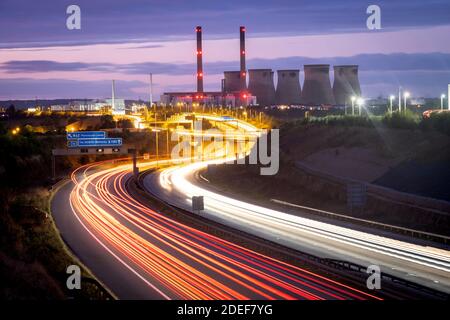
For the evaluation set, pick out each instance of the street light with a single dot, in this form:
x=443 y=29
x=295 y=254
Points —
x=442 y=101
x=167 y=142
x=353 y=98
x=360 y=103
x=156 y=145
x=391 y=99
x=405 y=96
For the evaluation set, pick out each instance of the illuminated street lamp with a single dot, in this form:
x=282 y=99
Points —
x=405 y=96
x=360 y=103
x=353 y=98
x=442 y=101
x=391 y=99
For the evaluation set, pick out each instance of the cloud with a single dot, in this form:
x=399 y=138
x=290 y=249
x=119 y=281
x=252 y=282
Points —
x=115 y=20
x=24 y=88
x=367 y=62
x=34 y=66
x=424 y=74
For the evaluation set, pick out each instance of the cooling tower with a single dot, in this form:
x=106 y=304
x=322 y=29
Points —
x=232 y=81
x=260 y=84
x=198 y=31
x=346 y=84
x=288 y=87
x=317 y=87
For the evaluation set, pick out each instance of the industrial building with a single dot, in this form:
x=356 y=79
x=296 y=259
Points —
x=234 y=86
x=235 y=82
x=316 y=91
x=317 y=87
x=260 y=84
x=84 y=106
x=288 y=88
x=346 y=84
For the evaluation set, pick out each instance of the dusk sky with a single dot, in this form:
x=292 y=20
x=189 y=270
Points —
x=126 y=40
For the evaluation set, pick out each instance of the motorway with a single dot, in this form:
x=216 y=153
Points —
x=424 y=265
x=139 y=253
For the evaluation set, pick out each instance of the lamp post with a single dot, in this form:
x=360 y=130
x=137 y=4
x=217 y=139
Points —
x=391 y=100
x=405 y=96
x=353 y=98
x=156 y=145
x=167 y=142
x=442 y=101
x=360 y=103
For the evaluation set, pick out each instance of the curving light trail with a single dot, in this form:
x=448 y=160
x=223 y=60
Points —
x=177 y=177
x=176 y=186
x=181 y=262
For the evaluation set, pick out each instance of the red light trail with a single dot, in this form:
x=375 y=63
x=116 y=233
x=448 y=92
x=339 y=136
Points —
x=181 y=262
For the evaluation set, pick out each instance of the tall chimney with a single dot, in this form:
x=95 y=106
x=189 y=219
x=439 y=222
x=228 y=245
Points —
x=243 y=71
x=198 y=31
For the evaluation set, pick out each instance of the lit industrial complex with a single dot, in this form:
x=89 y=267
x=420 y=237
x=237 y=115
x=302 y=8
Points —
x=317 y=89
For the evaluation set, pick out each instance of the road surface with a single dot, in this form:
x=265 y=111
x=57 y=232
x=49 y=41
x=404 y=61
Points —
x=139 y=253
x=424 y=265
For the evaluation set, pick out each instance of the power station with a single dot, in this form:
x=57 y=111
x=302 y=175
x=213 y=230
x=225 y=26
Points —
x=317 y=87
x=260 y=84
x=234 y=85
x=346 y=84
x=288 y=91
x=316 y=91
x=198 y=31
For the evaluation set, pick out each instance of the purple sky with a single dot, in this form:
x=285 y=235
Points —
x=126 y=40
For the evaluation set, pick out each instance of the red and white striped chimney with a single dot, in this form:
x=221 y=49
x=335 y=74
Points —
x=198 y=31
x=243 y=71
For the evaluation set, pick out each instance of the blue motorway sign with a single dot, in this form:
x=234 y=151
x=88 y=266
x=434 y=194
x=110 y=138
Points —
x=227 y=118
x=86 y=135
x=86 y=143
x=72 y=143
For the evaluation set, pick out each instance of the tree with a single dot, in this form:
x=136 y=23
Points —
x=11 y=111
x=107 y=122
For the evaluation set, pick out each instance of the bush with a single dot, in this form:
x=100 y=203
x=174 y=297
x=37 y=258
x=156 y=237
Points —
x=347 y=120
x=437 y=121
x=403 y=120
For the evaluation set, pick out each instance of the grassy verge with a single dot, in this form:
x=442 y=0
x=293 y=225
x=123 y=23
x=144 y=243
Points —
x=439 y=122
x=33 y=256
